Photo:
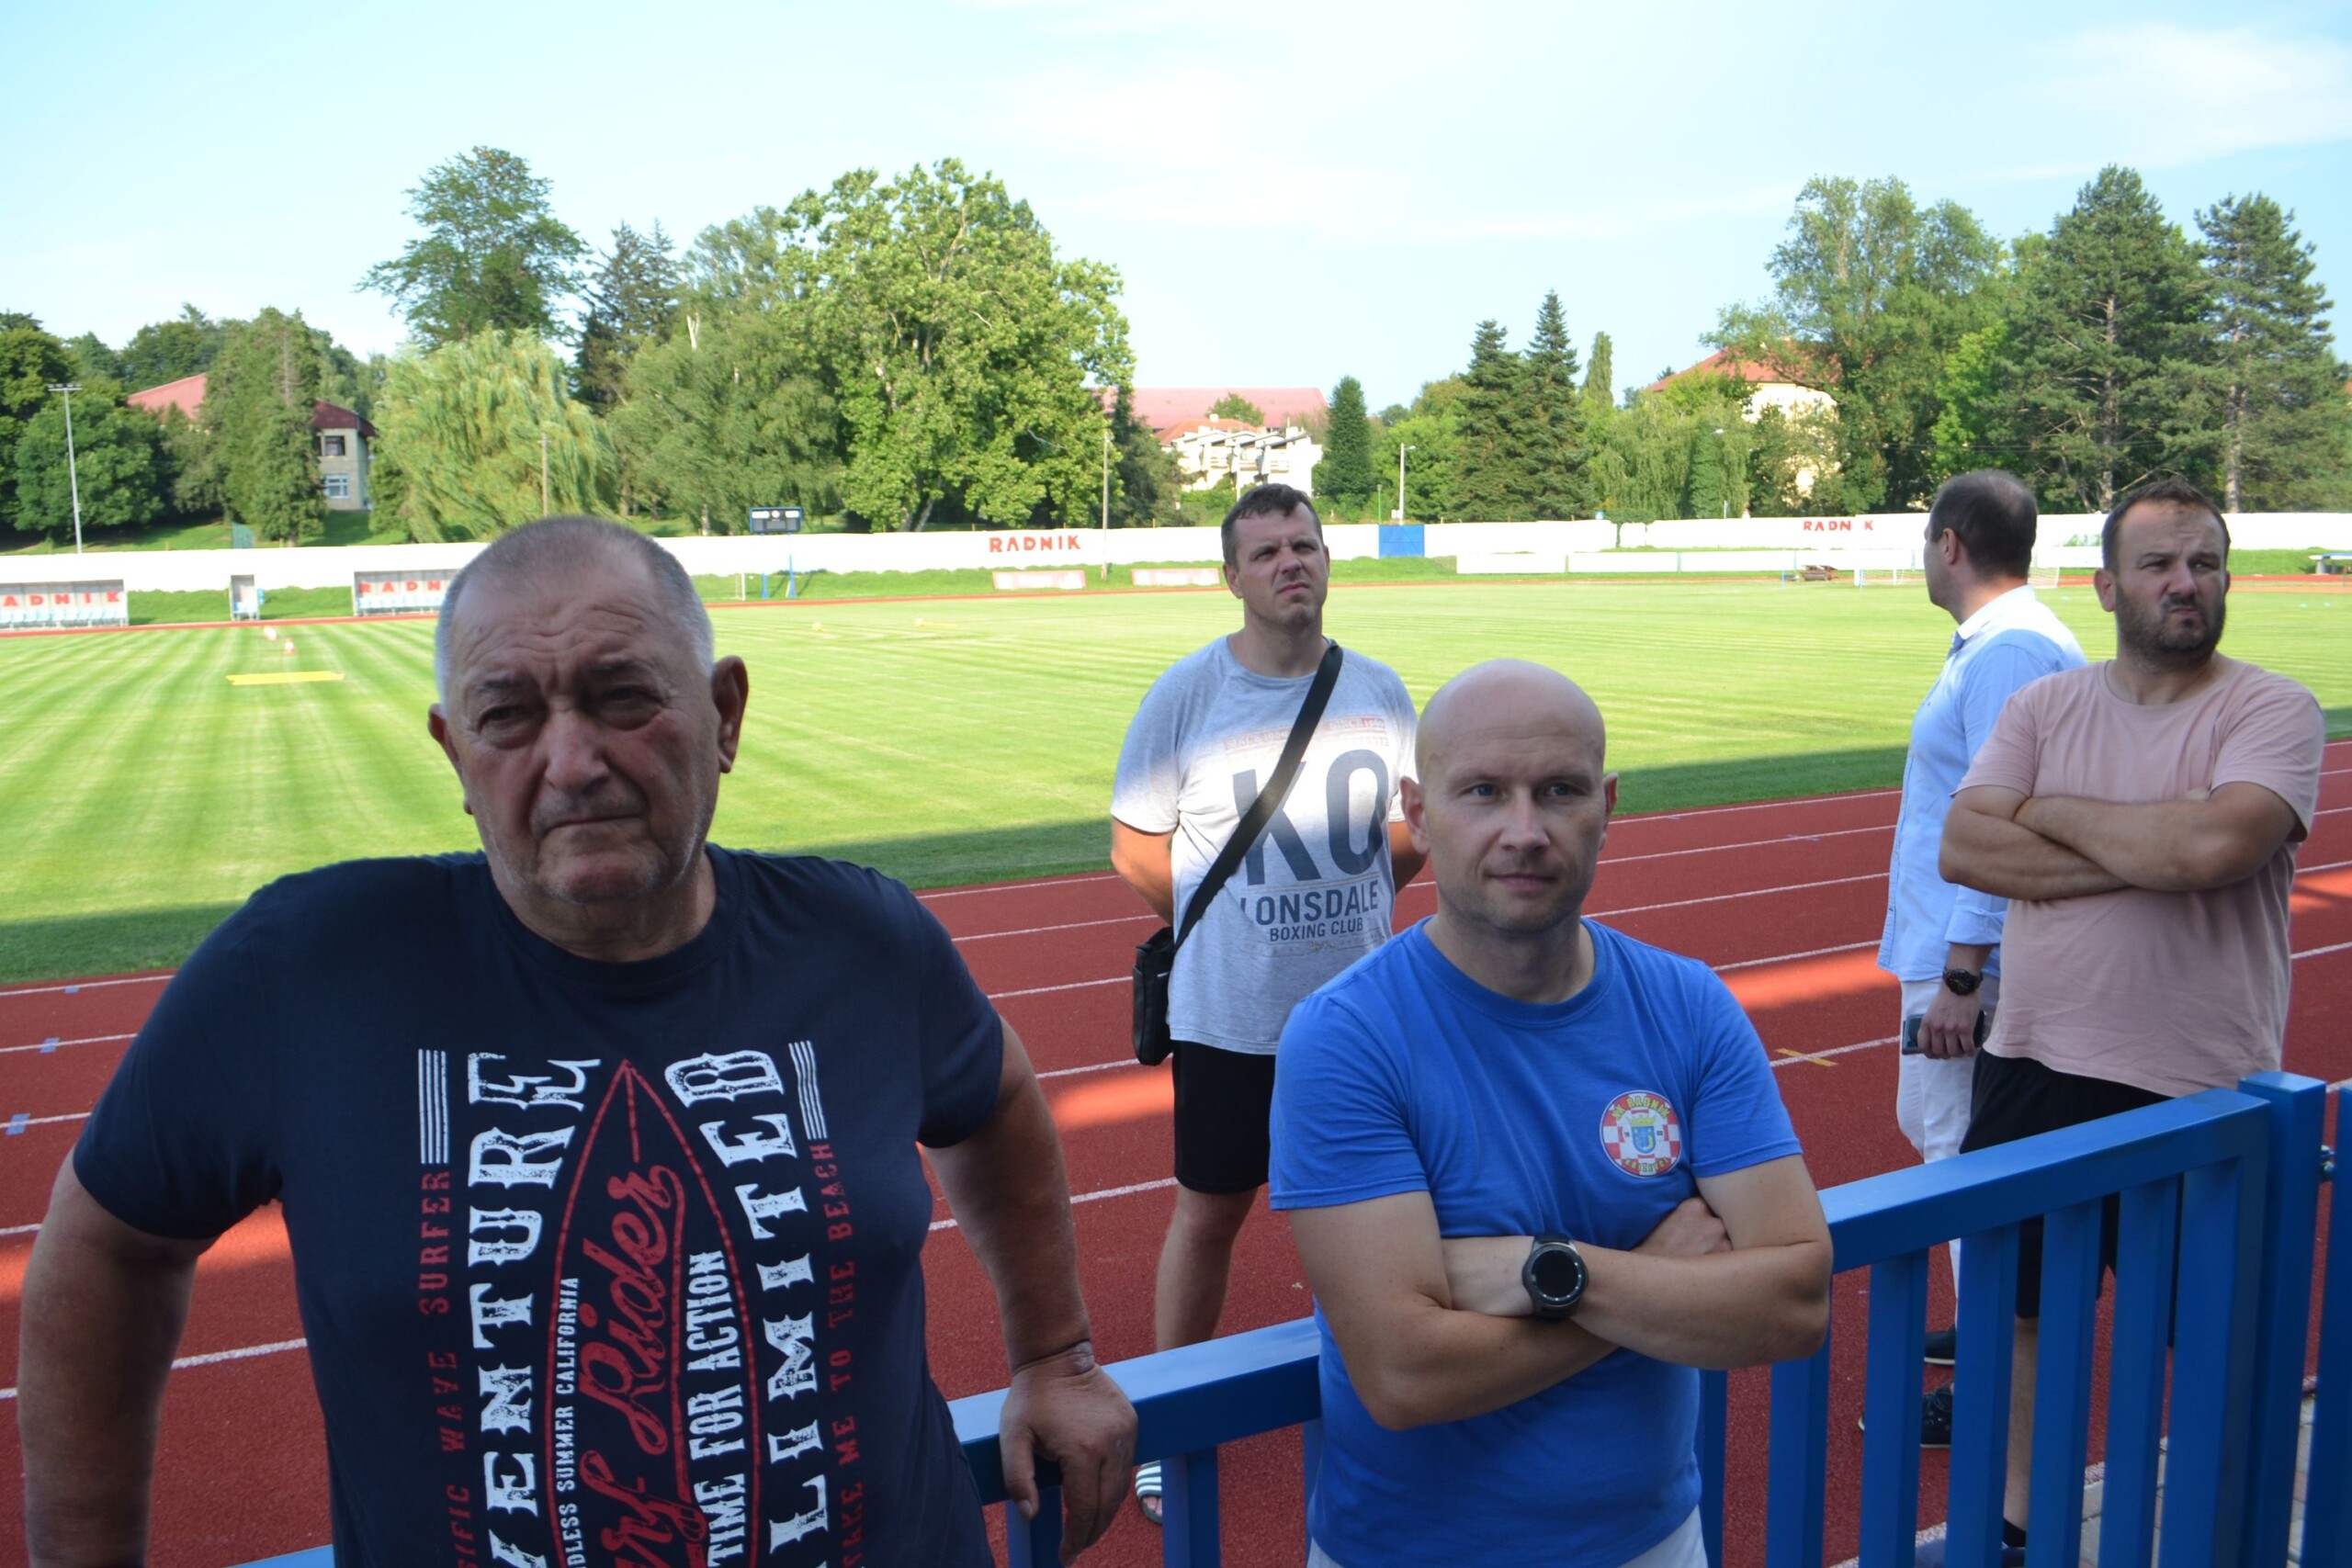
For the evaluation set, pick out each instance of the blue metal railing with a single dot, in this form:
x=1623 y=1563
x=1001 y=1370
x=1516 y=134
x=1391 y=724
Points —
x=2226 y=1183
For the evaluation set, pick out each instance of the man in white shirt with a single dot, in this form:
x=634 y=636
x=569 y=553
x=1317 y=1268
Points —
x=1942 y=942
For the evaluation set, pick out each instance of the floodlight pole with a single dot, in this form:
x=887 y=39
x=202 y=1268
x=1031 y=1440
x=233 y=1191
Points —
x=1401 y=450
x=73 y=480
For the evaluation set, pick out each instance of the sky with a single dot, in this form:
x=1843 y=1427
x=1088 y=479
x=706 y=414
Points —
x=1334 y=189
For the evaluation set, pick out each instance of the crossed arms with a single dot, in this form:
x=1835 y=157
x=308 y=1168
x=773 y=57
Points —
x=2044 y=847
x=1440 y=1330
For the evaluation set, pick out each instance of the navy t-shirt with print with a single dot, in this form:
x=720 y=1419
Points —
x=598 y=1262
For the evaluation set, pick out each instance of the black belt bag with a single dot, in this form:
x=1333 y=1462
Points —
x=1156 y=957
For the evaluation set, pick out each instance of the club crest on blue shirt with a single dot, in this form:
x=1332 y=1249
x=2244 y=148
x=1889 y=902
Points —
x=1642 y=1133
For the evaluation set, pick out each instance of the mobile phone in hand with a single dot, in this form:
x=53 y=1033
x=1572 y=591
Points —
x=1911 y=1046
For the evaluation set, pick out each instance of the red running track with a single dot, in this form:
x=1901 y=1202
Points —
x=1785 y=898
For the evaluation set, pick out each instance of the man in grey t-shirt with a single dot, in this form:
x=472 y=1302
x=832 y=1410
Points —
x=1315 y=894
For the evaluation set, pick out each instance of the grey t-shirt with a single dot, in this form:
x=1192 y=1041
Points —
x=1313 y=897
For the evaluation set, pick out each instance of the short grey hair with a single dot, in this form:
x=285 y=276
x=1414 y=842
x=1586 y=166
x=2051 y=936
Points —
x=555 y=545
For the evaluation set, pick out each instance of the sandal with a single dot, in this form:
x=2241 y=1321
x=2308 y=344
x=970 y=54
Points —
x=1148 y=1490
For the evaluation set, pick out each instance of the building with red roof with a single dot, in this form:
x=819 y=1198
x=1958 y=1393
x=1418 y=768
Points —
x=343 y=435
x=1768 y=385
x=1166 y=408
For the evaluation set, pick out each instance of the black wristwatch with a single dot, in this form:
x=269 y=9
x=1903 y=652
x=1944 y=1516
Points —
x=1963 y=982
x=1555 y=1276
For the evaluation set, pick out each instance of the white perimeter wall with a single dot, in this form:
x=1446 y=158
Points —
x=1765 y=542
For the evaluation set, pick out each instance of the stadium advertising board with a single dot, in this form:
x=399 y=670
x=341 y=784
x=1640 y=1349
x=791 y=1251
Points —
x=399 y=592
x=63 y=604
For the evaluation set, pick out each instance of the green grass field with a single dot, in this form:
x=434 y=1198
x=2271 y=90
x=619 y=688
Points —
x=946 y=741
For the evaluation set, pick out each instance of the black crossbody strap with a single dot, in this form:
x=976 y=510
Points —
x=1270 y=799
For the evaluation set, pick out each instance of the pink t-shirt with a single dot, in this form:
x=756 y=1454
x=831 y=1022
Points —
x=2169 y=992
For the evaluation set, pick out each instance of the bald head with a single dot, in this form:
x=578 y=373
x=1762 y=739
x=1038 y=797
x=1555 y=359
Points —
x=555 y=547
x=1501 y=700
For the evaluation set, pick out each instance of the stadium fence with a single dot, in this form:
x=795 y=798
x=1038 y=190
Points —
x=2227 y=1181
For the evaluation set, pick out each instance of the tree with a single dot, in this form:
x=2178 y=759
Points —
x=1233 y=405
x=1870 y=290
x=93 y=360
x=962 y=351
x=1491 y=480
x=494 y=255
x=463 y=426
x=1600 y=393
x=2109 y=314
x=630 y=301
x=30 y=362
x=1972 y=398
x=1345 y=474
x=167 y=351
x=258 y=399
x=1554 y=411
x=2274 y=386
x=117 y=463
x=1146 y=482
x=734 y=416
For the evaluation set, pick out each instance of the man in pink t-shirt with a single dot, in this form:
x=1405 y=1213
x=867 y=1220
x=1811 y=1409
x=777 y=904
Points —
x=2142 y=817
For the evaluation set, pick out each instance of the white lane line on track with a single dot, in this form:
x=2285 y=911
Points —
x=1751 y=844
x=1752 y=806
x=88 y=985
x=1077 y=1198
x=211 y=1358
x=1008 y=887
x=1073 y=986
x=46 y=1045
x=1064 y=926
x=13 y=1125
x=1792 y=957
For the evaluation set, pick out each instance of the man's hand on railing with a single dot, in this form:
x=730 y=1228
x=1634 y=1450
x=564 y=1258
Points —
x=1066 y=1407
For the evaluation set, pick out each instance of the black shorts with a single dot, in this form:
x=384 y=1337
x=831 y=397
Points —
x=2017 y=1097
x=1224 y=1102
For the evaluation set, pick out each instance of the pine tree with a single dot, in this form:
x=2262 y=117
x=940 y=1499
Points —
x=632 y=296
x=1144 y=478
x=2274 y=383
x=1345 y=474
x=257 y=405
x=1599 y=394
x=1490 y=471
x=1552 y=409
x=2109 y=318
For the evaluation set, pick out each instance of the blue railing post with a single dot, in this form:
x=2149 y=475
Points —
x=1800 y=1425
x=2328 y=1514
x=2136 y=1368
x=1891 y=1409
x=1980 y=1415
x=1311 y=1471
x=1188 y=1511
x=1714 y=1434
x=2290 y=1228
x=2204 y=1483
x=2061 y=1396
x=1035 y=1543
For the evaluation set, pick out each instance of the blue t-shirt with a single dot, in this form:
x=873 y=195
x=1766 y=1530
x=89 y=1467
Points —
x=597 y=1262
x=1590 y=1117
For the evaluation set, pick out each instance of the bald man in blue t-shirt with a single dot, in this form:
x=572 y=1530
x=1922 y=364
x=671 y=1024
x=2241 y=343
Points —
x=1537 y=1172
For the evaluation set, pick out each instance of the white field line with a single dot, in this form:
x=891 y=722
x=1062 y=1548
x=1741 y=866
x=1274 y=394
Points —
x=211 y=1358
x=1077 y=1198
x=62 y=1044
x=87 y=985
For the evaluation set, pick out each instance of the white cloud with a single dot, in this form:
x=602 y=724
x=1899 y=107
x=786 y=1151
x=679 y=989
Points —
x=2158 y=94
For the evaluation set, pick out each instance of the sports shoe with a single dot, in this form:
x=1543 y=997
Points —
x=1944 y=1346
x=1935 y=1419
x=1931 y=1554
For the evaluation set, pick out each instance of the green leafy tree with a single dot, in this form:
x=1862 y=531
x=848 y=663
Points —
x=1346 y=474
x=630 y=301
x=1972 y=399
x=733 y=416
x=1233 y=405
x=1681 y=451
x=192 y=467
x=1600 y=394
x=258 y=399
x=167 y=351
x=494 y=255
x=2274 y=433
x=2109 y=320
x=1491 y=458
x=962 y=351
x=1870 y=290
x=1147 y=485
x=463 y=425
x=117 y=462
x=1558 y=442
x=31 y=360
x=93 y=360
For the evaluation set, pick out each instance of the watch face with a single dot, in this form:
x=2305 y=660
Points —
x=1555 y=1273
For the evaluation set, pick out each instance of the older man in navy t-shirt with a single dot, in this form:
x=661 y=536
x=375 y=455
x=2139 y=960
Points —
x=1537 y=1172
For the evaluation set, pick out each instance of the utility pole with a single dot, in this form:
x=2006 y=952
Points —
x=1401 y=450
x=545 y=507
x=73 y=480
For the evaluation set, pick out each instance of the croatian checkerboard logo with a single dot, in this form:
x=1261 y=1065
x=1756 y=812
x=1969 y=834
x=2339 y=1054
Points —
x=1642 y=1133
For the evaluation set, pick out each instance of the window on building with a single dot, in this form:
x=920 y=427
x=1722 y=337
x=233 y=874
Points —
x=335 y=447
x=338 y=485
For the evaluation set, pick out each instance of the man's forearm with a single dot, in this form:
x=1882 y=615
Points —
x=1012 y=1201
x=95 y=1345
x=2000 y=856
x=1738 y=1308
x=2167 y=846
x=1449 y=1364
